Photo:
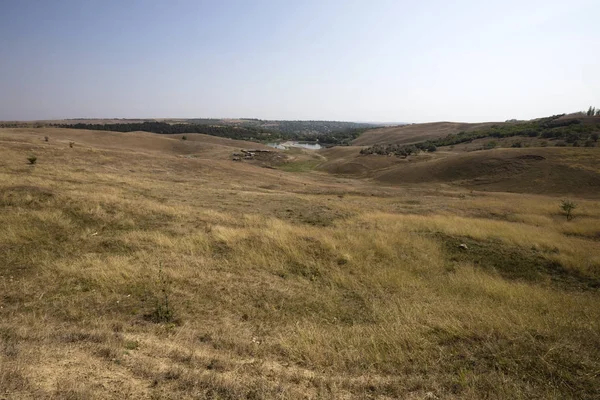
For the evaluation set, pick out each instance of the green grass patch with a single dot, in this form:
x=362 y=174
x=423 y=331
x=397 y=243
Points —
x=516 y=263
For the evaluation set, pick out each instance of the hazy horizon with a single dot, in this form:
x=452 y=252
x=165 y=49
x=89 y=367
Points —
x=378 y=61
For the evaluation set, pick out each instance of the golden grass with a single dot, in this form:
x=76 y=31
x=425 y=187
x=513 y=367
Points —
x=284 y=286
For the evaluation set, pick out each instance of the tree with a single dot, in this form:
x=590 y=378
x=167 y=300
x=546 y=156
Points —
x=591 y=111
x=567 y=207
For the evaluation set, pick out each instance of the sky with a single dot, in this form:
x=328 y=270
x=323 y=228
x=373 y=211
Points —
x=369 y=61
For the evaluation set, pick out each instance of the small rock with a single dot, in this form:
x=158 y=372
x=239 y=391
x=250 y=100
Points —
x=463 y=246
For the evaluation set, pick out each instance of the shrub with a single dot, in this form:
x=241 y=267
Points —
x=490 y=145
x=517 y=144
x=32 y=159
x=184 y=137
x=392 y=149
x=46 y=138
x=163 y=310
x=567 y=207
x=71 y=144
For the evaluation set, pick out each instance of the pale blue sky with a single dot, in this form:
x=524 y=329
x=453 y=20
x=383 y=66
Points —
x=412 y=61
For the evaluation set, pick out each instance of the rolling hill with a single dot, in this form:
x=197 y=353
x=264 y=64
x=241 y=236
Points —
x=554 y=171
x=407 y=134
x=144 y=266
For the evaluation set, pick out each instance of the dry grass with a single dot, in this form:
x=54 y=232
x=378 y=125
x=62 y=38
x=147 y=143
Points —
x=282 y=285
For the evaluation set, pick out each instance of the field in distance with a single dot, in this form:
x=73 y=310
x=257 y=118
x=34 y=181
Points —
x=136 y=265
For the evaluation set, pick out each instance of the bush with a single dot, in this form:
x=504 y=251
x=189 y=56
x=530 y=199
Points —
x=517 y=144
x=32 y=159
x=71 y=144
x=567 y=207
x=184 y=137
x=392 y=149
x=163 y=310
x=490 y=145
x=46 y=138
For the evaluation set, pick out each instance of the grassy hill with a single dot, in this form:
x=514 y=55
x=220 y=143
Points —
x=557 y=130
x=414 y=133
x=555 y=171
x=136 y=265
x=537 y=156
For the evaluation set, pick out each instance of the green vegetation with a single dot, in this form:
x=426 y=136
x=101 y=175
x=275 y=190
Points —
x=163 y=310
x=490 y=145
x=567 y=207
x=569 y=130
x=399 y=150
x=325 y=132
x=32 y=159
x=592 y=111
x=231 y=132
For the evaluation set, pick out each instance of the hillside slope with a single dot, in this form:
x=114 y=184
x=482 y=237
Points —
x=407 y=134
x=196 y=144
x=553 y=171
x=139 y=266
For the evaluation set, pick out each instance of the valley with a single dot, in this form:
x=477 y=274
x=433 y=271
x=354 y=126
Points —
x=138 y=265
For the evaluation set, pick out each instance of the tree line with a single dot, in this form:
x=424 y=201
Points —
x=592 y=111
x=163 y=128
x=250 y=133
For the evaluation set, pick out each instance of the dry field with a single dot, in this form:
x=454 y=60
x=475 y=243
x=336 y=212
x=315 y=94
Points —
x=147 y=267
